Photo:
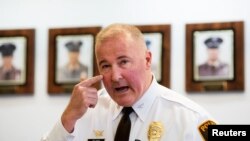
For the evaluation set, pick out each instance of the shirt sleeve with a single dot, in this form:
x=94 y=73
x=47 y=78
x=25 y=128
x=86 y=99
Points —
x=58 y=133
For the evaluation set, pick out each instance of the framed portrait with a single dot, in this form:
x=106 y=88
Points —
x=71 y=57
x=214 y=57
x=17 y=61
x=157 y=39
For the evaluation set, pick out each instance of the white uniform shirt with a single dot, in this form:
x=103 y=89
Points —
x=179 y=117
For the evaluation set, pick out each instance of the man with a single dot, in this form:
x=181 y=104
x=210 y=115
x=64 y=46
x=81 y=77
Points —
x=74 y=69
x=213 y=66
x=7 y=70
x=157 y=112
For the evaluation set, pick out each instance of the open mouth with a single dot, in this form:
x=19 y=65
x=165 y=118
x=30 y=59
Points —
x=122 y=89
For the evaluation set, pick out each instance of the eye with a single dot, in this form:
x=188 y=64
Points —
x=123 y=62
x=105 y=66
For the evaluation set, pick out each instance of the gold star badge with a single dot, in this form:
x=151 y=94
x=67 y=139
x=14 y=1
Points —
x=98 y=133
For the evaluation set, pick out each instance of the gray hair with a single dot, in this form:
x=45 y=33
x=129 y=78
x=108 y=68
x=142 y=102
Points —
x=113 y=30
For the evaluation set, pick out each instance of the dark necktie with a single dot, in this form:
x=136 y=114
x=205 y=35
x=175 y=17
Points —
x=123 y=129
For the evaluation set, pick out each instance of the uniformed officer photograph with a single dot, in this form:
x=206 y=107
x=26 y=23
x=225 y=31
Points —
x=73 y=59
x=214 y=55
x=12 y=64
x=154 y=44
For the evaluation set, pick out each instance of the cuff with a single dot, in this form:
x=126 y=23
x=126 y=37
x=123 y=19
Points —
x=59 y=133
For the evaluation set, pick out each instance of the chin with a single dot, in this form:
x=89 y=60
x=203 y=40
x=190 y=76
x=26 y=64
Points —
x=124 y=102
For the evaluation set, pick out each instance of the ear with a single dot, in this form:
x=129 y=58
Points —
x=148 y=59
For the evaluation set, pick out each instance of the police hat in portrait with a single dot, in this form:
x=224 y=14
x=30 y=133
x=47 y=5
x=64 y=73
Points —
x=213 y=42
x=7 y=49
x=148 y=43
x=73 y=46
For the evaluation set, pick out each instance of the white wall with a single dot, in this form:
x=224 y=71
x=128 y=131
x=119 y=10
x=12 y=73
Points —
x=26 y=118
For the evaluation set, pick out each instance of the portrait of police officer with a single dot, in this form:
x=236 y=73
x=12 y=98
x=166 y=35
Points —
x=154 y=66
x=213 y=66
x=7 y=70
x=73 y=70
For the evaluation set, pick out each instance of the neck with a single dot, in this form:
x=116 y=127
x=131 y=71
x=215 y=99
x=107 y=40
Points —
x=148 y=81
x=213 y=62
x=7 y=66
x=73 y=66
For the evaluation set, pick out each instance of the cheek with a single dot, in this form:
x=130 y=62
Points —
x=106 y=80
x=133 y=77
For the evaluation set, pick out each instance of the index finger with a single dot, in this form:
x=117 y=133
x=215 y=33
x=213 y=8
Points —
x=91 y=81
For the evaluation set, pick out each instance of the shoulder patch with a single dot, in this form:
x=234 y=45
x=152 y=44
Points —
x=203 y=128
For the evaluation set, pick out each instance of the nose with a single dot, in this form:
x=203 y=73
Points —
x=116 y=74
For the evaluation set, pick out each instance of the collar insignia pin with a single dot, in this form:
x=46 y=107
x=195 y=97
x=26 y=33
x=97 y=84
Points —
x=98 y=133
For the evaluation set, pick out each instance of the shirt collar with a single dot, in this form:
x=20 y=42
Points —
x=142 y=106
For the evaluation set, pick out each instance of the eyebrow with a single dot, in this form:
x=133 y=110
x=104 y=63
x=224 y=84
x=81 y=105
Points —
x=123 y=56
